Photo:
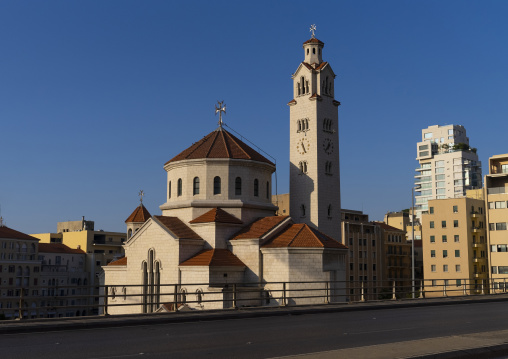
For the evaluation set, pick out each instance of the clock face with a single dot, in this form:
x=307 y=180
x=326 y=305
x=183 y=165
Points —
x=328 y=146
x=303 y=146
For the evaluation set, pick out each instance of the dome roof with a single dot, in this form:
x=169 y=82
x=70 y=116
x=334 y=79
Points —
x=140 y=215
x=220 y=144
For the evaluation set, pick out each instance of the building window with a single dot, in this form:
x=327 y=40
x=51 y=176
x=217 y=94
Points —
x=456 y=238
x=302 y=208
x=195 y=187
x=433 y=268
x=432 y=253
x=328 y=168
x=443 y=224
x=494 y=269
x=179 y=187
x=444 y=238
x=216 y=185
x=303 y=167
x=432 y=239
x=445 y=267
x=238 y=186
x=457 y=253
x=457 y=268
x=431 y=210
x=455 y=209
x=431 y=224
x=501 y=226
x=455 y=223
x=256 y=188
x=330 y=211
x=169 y=189
x=373 y=243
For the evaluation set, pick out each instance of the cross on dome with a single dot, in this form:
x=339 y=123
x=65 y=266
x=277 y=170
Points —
x=220 y=109
x=313 y=29
x=141 y=194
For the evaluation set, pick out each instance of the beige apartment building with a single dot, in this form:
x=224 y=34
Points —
x=496 y=193
x=454 y=247
x=396 y=261
x=100 y=247
x=19 y=274
x=448 y=165
x=365 y=267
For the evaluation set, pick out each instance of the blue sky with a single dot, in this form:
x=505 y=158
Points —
x=96 y=96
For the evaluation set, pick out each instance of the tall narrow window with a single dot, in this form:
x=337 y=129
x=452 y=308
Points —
x=302 y=208
x=169 y=190
x=179 y=187
x=329 y=210
x=216 y=185
x=256 y=188
x=238 y=186
x=195 y=187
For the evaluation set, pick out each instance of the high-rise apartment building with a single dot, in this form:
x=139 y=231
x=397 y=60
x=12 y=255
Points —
x=496 y=191
x=448 y=165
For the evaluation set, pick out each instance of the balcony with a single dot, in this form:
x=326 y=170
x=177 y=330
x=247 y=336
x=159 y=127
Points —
x=475 y=214
x=496 y=190
x=476 y=229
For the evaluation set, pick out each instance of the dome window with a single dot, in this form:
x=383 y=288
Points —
x=216 y=185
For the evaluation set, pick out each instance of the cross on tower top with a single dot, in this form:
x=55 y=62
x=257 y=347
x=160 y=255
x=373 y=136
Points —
x=220 y=108
x=141 y=194
x=313 y=29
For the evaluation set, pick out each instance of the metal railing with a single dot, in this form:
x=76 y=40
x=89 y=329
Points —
x=60 y=301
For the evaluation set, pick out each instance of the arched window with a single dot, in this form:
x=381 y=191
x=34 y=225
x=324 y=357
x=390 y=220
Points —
x=169 y=190
x=195 y=186
x=302 y=208
x=27 y=271
x=256 y=188
x=306 y=124
x=329 y=210
x=307 y=51
x=179 y=187
x=238 y=186
x=299 y=125
x=129 y=233
x=183 y=296
x=216 y=185
x=199 y=296
x=32 y=248
x=268 y=190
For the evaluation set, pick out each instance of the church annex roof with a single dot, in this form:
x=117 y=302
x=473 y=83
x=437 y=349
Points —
x=317 y=68
x=58 y=248
x=216 y=215
x=220 y=144
x=259 y=227
x=302 y=236
x=177 y=227
x=214 y=258
x=119 y=262
x=140 y=215
x=9 y=233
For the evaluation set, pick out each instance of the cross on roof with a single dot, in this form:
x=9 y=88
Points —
x=313 y=29
x=220 y=109
x=141 y=194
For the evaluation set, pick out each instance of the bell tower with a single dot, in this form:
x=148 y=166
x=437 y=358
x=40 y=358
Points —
x=314 y=143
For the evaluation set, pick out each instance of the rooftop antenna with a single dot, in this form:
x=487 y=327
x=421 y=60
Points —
x=220 y=108
x=141 y=194
x=1 y=218
x=313 y=29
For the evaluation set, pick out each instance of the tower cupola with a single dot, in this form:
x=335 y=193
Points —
x=313 y=48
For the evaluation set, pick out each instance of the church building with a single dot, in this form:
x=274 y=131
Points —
x=218 y=241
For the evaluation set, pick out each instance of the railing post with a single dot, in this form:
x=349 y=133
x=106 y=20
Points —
x=464 y=288
x=483 y=288
x=20 y=312
x=234 y=297
x=327 y=299
x=394 y=297
x=504 y=285
x=444 y=289
x=106 y=293
x=362 y=298
x=175 y=298
x=284 y=303
x=493 y=286
x=422 y=288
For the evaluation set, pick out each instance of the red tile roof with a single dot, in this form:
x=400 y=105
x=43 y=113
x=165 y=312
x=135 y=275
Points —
x=292 y=102
x=388 y=228
x=58 y=248
x=216 y=215
x=119 y=262
x=9 y=233
x=214 y=258
x=315 y=95
x=140 y=215
x=321 y=65
x=220 y=144
x=259 y=227
x=318 y=67
x=302 y=236
x=313 y=40
x=177 y=227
